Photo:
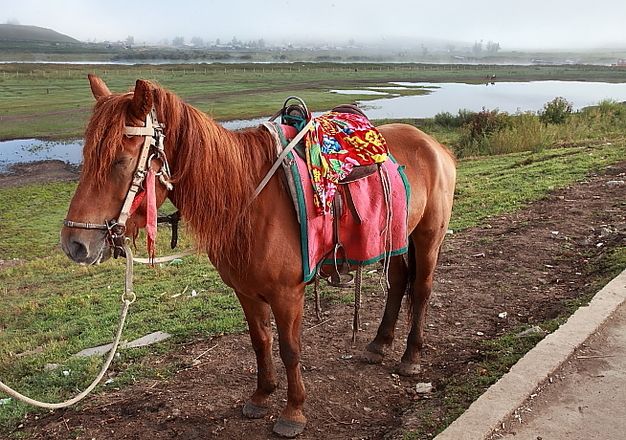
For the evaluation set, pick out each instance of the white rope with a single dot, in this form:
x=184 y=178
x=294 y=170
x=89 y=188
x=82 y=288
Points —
x=387 y=231
x=127 y=299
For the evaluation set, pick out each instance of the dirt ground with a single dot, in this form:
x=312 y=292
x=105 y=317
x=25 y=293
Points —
x=527 y=264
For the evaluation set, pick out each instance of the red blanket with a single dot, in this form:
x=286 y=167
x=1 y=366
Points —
x=364 y=243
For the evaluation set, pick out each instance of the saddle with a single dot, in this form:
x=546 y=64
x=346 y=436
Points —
x=297 y=115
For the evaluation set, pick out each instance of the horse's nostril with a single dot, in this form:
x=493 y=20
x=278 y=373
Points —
x=77 y=251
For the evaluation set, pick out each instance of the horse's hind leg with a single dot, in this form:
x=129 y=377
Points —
x=258 y=317
x=427 y=244
x=288 y=314
x=398 y=276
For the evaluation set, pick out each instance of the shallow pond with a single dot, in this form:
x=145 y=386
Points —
x=444 y=97
x=506 y=96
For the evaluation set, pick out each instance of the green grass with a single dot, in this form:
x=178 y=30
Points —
x=57 y=308
x=52 y=309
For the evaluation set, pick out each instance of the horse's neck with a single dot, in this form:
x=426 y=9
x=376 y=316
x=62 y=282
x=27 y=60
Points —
x=216 y=172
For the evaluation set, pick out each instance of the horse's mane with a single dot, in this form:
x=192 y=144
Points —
x=215 y=171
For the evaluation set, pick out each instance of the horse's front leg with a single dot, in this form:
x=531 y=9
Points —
x=257 y=314
x=288 y=309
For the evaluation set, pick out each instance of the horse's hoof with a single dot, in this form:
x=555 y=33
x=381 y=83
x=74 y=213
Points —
x=408 y=369
x=288 y=428
x=373 y=354
x=253 y=411
x=372 y=358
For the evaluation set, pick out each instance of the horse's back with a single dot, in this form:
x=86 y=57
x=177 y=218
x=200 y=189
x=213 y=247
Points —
x=429 y=166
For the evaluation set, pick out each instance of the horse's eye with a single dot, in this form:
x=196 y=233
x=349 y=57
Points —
x=120 y=162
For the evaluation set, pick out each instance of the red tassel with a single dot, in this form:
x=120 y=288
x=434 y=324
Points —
x=151 y=213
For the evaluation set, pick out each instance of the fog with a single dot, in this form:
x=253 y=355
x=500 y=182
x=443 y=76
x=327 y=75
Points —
x=532 y=24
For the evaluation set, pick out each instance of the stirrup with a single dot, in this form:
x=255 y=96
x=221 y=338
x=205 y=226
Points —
x=342 y=280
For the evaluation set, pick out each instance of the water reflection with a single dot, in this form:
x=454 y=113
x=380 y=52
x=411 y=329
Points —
x=30 y=150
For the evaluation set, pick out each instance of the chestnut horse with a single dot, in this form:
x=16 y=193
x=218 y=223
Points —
x=253 y=243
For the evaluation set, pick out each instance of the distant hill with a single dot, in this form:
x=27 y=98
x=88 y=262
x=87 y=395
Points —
x=18 y=32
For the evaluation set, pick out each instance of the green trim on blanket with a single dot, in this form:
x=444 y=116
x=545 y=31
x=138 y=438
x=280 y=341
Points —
x=304 y=243
x=401 y=251
x=309 y=272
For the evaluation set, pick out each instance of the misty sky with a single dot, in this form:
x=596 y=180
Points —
x=514 y=24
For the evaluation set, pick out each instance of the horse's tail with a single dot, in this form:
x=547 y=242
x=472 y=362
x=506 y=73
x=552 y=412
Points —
x=410 y=280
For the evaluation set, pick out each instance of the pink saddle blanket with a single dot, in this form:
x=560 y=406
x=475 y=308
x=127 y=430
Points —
x=379 y=229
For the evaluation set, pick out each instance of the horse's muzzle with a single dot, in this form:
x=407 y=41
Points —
x=85 y=247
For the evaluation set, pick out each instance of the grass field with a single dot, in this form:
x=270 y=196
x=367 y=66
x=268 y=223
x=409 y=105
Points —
x=54 y=101
x=52 y=309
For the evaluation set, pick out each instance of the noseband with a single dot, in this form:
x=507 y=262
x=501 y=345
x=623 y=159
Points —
x=153 y=136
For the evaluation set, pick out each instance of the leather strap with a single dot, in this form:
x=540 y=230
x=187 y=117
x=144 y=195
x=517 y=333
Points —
x=281 y=157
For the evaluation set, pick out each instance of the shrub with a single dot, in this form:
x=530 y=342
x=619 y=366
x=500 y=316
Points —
x=448 y=120
x=556 y=111
x=525 y=133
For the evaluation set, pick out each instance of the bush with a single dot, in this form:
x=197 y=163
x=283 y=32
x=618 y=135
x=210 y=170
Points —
x=476 y=131
x=448 y=120
x=556 y=111
x=526 y=133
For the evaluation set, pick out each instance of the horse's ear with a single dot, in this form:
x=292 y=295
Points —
x=142 y=99
x=98 y=87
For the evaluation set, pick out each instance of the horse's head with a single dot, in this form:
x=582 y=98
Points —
x=99 y=216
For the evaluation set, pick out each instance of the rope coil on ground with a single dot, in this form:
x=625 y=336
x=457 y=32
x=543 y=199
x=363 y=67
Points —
x=128 y=297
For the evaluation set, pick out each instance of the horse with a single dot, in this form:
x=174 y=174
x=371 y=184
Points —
x=252 y=242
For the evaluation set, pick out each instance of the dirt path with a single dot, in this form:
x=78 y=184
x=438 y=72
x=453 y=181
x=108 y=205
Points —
x=526 y=264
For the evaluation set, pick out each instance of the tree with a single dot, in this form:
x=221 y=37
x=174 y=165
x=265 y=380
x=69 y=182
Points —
x=493 y=47
x=478 y=47
x=178 y=41
x=197 y=41
x=13 y=21
x=130 y=40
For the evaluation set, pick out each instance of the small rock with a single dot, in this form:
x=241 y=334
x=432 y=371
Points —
x=503 y=315
x=599 y=244
x=612 y=183
x=479 y=255
x=194 y=293
x=554 y=232
x=449 y=232
x=535 y=330
x=480 y=334
x=108 y=381
x=423 y=387
x=66 y=372
x=367 y=409
x=152 y=338
x=345 y=357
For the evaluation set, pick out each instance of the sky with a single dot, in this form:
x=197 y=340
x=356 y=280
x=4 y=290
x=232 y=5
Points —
x=518 y=24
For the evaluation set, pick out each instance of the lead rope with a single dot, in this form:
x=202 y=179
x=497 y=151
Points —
x=128 y=297
x=316 y=293
x=356 y=319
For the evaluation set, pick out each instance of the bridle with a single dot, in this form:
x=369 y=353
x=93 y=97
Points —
x=153 y=148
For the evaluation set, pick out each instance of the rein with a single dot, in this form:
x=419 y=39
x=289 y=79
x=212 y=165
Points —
x=128 y=297
x=115 y=229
